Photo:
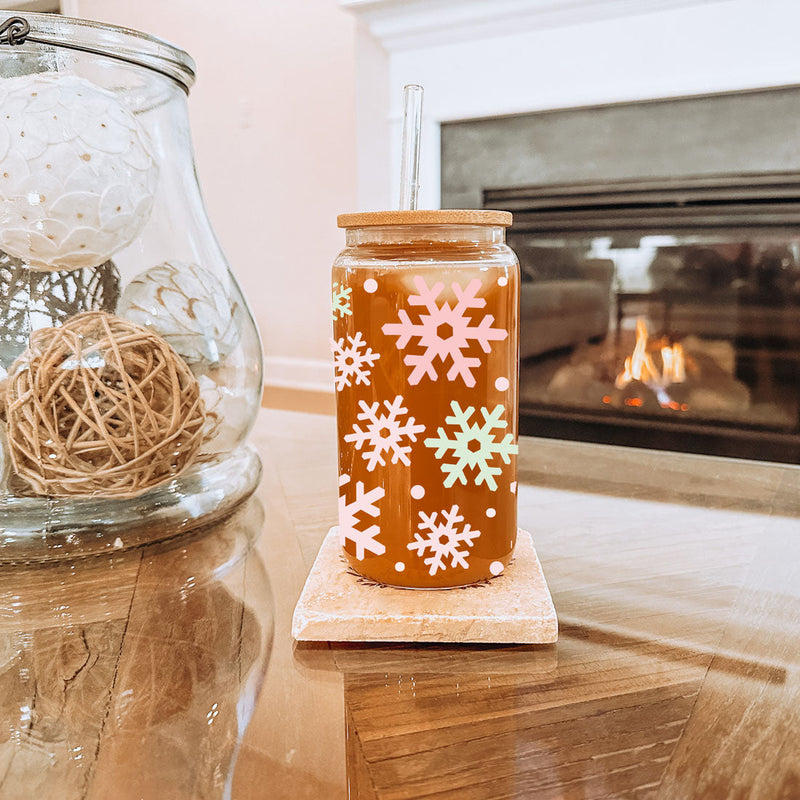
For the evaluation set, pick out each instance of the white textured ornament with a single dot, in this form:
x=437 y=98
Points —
x=228 y=416
x=189 y=307
x=77 y=177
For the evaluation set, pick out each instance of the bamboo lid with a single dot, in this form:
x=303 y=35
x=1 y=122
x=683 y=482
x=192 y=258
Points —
x=445 y=216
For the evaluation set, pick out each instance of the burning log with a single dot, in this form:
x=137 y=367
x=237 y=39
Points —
x=658 y=375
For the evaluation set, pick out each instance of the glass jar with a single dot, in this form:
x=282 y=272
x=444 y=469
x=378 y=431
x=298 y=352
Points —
x=425 y=345
x=130 y=365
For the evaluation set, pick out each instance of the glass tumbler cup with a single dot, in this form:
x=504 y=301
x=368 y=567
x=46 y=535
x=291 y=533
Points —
x=425 y=347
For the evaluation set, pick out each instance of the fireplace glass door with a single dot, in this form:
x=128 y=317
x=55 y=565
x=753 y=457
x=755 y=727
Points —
x=661 y=321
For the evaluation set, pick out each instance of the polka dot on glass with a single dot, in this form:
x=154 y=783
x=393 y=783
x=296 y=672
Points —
x=418 y=491
x=501 y=384
x=496 y=567
x=399 y=566
x=490 y=512
x=502 y=281
x=370 y=285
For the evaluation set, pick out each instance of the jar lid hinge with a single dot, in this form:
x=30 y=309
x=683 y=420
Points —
x=14 y=31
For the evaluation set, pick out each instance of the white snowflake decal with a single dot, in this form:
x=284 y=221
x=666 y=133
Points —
x=348 y=519
x=473 y=446
x=340 y=300
x=384 y=432
x=350 y=362
x=443 y=539
x=444 y=332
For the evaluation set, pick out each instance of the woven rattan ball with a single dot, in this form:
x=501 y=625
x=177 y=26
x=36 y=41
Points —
x=101 y=407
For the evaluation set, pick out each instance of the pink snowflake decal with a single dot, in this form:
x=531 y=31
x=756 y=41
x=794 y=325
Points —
x=444 y=333
x=364 y=503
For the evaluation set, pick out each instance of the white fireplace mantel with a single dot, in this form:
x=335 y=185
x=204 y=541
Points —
x=484 y=58
x=410 y=24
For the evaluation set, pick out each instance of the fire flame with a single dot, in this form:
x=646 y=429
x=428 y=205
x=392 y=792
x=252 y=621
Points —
x=640 y=366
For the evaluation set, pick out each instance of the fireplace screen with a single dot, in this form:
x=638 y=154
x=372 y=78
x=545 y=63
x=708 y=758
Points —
x=662 y=316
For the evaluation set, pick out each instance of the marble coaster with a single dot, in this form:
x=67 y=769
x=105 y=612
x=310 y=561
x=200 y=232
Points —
x=337 y=606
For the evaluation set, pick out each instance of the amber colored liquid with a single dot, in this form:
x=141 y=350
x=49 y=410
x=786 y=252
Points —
x=411 y=483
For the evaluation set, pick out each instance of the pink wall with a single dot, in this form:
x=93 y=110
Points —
x=273 y=121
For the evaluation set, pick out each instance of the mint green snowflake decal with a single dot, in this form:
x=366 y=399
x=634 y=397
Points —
x=473 y=446
x=340 y=300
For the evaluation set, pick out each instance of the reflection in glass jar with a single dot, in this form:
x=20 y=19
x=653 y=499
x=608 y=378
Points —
x=134 y=675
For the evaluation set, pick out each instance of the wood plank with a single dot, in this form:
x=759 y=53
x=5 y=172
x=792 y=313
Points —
x=742 y=739
x=295 y=743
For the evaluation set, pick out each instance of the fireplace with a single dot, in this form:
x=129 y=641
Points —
x=659 y=308
x=662 y=314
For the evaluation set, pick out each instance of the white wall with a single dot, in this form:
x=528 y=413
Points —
x=274 y=127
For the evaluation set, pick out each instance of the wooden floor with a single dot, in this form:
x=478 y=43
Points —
x=304 y=401
x=169 y=672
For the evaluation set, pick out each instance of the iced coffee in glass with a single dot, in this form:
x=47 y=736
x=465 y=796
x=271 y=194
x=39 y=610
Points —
x=425 y=348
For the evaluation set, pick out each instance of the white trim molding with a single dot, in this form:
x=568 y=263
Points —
x=408 y=24
x=305 y=374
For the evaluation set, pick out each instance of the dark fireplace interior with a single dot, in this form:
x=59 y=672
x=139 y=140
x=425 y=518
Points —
x=656 y=311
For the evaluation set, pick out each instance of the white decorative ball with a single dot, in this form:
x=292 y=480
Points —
x=77 y=176
x=189 y=307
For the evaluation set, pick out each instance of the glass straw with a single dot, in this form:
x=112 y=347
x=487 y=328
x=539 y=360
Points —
x=409 y=159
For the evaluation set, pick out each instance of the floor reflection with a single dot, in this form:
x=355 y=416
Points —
x=604 y=713
x=134 y=675
x=518 y=725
